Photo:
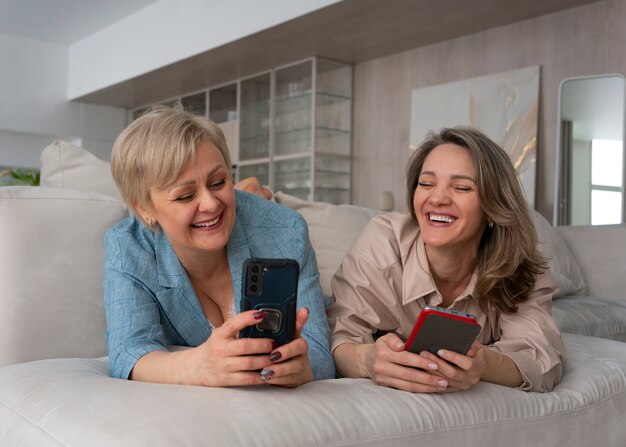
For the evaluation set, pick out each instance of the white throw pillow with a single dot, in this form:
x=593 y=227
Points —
x=564 y=269
x=332 y=230
x=52 y=263
x=64 y=165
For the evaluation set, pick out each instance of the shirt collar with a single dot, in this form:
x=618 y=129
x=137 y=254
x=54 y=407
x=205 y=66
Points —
x=420 y=284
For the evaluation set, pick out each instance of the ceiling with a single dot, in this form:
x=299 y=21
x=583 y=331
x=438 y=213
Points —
x=63 y=22
x=351 y=31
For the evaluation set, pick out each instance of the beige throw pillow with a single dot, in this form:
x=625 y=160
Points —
x=563 y=267
x=332 y=230
x=64 y=165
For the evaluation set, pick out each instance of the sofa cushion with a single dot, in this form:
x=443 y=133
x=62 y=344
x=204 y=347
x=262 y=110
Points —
x=332 y=229
x=74 y=402
x=52 y=268
x=591 y=316
x=564 y=268
x=65 y=165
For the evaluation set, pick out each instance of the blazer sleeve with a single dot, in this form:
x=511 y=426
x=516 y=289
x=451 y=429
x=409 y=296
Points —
x=132 y=312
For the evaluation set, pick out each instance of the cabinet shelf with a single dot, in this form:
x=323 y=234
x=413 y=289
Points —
x=304 y=133
x=302 y=101
x=318 y=172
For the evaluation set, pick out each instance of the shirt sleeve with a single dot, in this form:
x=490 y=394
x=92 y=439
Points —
x=133 y=318
x=532 y=340
x=366 y=292
x=310 y=295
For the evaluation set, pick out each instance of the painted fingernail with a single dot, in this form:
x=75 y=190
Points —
x=442 y=353
x=433 y=366
x=275 y=356
x=259 y=315
x=267 y=373
x=443 y=384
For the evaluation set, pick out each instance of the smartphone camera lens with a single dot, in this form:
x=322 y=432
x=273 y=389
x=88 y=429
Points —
x=255 y=269
x=254 y=278
x=254 y=288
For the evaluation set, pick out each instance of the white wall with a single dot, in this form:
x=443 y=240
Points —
x=168 y=31
x=34 y=110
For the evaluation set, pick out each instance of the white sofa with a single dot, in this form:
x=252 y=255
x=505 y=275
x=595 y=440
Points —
x=55 y=389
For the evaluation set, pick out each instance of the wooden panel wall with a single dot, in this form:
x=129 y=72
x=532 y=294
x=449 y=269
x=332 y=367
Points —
x=586 y=40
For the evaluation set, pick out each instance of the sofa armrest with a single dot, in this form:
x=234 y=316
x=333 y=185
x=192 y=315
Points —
x=51 y=271
x=599 y=251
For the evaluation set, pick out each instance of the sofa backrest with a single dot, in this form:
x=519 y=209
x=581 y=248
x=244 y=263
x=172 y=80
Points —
x=51 y=264
x=51 y=269
x=599 y=250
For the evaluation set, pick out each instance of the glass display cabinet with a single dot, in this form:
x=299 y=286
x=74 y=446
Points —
x=291 y=127
x=254 y=127
x=223 y=111
x=312 y=130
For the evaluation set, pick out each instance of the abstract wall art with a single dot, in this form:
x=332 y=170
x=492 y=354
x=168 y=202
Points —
x=503 y=105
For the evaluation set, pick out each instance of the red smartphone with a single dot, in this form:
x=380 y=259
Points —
x=439 y=328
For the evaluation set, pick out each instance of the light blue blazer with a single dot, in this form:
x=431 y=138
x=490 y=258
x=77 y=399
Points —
x=150 y=302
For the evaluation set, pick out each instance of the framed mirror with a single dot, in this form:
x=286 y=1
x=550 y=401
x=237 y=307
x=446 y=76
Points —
x=590 y=151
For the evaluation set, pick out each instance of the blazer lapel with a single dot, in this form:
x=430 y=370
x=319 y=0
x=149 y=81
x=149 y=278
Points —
x=177 y=297
x=238 y=251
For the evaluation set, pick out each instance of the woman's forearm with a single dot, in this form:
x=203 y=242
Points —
x=163 y=367
x=350 y=360
x=501 y=369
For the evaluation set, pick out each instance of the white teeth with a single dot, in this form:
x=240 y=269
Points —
x=207 y=224
x=439 y=218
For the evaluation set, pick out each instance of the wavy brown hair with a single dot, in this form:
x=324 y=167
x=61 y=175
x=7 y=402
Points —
x=508 y=260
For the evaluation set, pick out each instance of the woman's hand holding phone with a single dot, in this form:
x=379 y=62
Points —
x=460 y=371
x=224 y=359
x=388 y=364
x=290 y=362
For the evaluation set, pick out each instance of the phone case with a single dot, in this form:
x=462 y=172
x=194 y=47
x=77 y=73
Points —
x=271 y=285
x=438 y=328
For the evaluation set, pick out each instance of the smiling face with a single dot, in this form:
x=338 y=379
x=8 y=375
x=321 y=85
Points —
x=446 y=200
x=197 y=211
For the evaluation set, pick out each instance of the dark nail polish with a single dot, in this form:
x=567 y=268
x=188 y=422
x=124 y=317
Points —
x=275 y=356
x=259 y=315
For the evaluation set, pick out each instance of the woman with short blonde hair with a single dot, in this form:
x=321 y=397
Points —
x=173 y=270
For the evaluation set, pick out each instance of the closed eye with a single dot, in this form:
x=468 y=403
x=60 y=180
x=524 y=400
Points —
x=184 y=198
x=463 y=188
x=218 y=184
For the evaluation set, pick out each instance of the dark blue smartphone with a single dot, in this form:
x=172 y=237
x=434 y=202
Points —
x=271 y=285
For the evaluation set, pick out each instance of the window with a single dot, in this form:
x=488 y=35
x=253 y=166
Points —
x=606 y=182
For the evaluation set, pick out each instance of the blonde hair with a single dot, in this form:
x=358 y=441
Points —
x=154 y=149
x=508 y=258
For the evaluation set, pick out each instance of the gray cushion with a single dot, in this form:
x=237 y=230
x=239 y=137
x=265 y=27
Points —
x=592 y=316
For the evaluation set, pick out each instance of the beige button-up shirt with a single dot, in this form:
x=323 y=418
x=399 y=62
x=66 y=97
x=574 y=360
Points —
x=384 y=282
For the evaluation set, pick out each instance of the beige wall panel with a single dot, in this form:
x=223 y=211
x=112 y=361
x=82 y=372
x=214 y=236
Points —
x=580 y=41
